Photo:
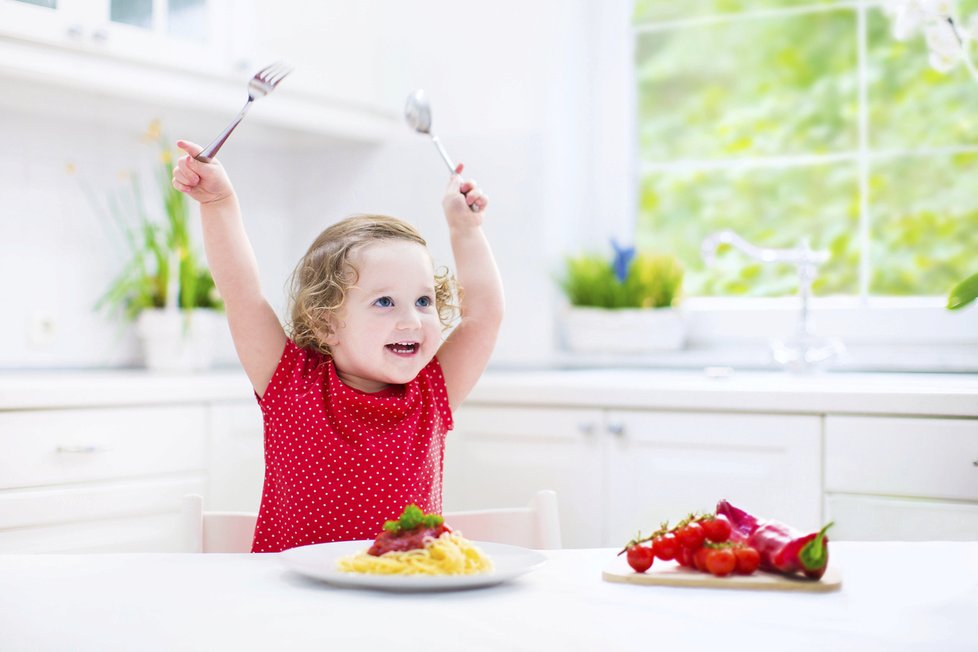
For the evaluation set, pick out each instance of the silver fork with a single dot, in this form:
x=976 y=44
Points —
x=263 y=83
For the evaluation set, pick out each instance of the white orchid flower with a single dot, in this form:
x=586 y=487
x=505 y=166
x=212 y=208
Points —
x=910 y=15
x=942 y=39
x=947 y=42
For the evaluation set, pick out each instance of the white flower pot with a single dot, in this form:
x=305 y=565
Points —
x=177 y=340
x=623 y=330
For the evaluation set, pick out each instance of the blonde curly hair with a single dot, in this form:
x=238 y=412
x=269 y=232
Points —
x=325 y=273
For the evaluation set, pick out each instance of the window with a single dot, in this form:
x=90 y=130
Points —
x=805 y=118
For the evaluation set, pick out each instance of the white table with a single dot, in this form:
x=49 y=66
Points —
x=895 y=596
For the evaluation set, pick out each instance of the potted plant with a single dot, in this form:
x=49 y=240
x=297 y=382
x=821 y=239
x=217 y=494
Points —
x=164 y=286
x=626 y=304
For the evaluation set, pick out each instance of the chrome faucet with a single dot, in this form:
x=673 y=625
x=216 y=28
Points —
x=804 y=351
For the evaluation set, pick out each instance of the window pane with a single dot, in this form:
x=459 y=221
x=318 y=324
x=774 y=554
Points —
x=924 y=223
x=770 y=207
x=188 y=20
x=766 y=86
x=912 y=105
x=648 y=10
x=138 y=13
x=50 y=4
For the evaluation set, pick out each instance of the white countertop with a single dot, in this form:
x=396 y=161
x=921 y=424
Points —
x=838 y=393
x=841 y=393
x=58 y=389
x=895 y=596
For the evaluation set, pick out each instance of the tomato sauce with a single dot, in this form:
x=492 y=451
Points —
x=402 y=541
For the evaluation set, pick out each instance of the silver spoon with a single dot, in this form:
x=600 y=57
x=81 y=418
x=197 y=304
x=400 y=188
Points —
x=417 y=111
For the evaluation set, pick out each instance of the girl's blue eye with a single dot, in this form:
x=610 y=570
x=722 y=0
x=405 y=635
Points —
x=384 y=302
x=424 y=302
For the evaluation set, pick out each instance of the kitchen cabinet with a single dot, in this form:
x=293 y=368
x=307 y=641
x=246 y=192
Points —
x=616 y=471
x=236 y=459
x=188 y=62
x=98 y=480
x=101 y=461
x=911 y=479
x=501 y=457
x=194 y=34
x=885 y=456
x=661 y=465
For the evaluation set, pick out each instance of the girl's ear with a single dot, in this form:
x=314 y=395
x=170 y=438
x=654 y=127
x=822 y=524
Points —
x=328 y=331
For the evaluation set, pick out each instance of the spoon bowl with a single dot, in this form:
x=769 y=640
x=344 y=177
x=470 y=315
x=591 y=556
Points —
x=417 y=112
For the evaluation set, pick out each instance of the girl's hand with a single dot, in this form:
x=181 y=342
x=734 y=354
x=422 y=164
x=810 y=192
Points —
x=464 y=201
x=205 y=182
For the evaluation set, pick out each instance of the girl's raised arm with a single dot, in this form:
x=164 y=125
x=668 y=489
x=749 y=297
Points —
x=466 y=352
x=257 y=333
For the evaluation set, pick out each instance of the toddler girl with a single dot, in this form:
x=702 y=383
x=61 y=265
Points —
x=358 y=397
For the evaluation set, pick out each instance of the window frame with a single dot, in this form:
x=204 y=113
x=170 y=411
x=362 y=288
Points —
x=880 y=332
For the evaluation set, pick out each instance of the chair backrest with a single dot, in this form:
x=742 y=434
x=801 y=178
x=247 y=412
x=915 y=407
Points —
x=535 y=526
x=215 y=531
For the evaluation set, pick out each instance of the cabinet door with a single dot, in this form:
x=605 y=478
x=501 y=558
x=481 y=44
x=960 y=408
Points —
x=928 y=458
x=236 y=463
x=874 y=518
x=501 y=456
x=134 y=515
x=53 y=447
x=662 y=465
x=194 y=34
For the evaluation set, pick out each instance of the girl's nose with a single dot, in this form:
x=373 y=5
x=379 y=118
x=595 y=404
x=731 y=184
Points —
x=408 y=319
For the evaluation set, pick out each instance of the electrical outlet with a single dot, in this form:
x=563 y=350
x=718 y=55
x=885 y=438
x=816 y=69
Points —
x=41 y=328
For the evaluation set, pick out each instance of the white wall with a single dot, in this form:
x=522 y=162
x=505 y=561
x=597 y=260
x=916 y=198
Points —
x=527 y=94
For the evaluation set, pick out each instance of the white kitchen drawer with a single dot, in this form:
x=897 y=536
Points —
x=932 y=458
x=873 y=518
x=22 y=508
x=40 y=448
x=153 y=533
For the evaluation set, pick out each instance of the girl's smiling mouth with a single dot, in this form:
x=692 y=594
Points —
x=403 y=348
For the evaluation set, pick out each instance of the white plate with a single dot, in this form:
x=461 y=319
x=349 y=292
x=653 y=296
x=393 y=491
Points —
x=319 y=561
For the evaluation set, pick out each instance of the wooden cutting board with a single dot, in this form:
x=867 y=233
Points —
x=667 y=573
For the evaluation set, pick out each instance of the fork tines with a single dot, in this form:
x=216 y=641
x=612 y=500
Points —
x=274 y=73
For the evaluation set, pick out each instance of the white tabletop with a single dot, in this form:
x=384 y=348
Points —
x=895 y=596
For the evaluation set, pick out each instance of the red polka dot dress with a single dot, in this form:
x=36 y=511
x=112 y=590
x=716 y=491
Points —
x=339 y=461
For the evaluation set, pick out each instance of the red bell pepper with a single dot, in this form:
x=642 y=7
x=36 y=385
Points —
x=782 y=548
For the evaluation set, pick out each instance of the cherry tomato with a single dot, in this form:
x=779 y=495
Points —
x=685 y=557
x=640 y=558
x=691 y=535
x=748 y=560
x=720 y=561
x=717 y=529
x=699 y=559
x=665 y=547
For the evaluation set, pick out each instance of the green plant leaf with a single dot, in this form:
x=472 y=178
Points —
x=963 y=293
x=653 y=281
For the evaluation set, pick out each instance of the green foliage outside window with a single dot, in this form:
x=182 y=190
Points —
x=725 y=87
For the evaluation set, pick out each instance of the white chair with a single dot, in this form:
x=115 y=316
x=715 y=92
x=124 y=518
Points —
x=215 y=531
x=535 y=526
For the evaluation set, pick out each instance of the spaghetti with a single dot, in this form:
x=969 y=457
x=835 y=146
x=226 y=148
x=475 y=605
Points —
x=448 y=554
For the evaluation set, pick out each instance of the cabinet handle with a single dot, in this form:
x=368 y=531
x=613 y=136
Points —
x=617 y=428
x=585 y=427
x=74 y=31
x=975 y=463
x=84 y=449
x=100 y=35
